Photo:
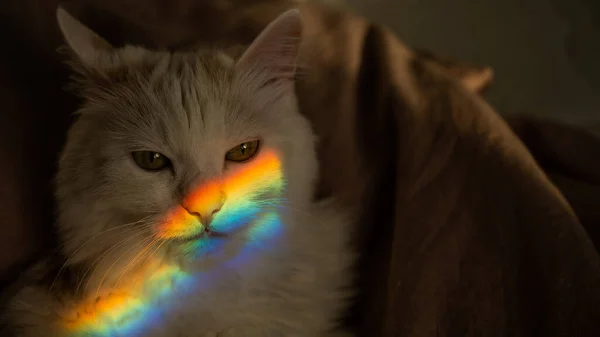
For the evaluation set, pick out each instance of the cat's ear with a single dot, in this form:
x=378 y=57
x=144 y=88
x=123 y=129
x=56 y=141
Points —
x=274 y=53
x=86 y=44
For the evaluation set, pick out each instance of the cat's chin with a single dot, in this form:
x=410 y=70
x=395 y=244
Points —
x=225 y=243
x=204 y=249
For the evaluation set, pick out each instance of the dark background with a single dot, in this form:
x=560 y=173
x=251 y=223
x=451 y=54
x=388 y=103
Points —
x=545 y=53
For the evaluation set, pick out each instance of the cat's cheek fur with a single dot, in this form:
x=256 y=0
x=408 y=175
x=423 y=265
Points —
x=292 y=136
x=139 y=192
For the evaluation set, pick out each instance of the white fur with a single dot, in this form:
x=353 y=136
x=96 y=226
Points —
x=193 y=108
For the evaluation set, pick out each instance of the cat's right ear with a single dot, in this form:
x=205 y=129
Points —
x=86 y=44
x=274 y=53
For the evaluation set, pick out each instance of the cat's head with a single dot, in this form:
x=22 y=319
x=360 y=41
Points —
x=170 y=147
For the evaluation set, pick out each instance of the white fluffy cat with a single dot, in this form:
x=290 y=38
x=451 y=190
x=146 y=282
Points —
x=154 y=129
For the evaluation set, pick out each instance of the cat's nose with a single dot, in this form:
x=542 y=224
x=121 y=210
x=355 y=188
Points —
x=205 y=201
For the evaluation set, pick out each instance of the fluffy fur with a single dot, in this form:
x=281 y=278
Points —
x=191 y=107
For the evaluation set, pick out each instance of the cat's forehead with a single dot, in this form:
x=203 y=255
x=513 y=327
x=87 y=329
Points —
x=211 y=70
x=163 y=99
x=155 y=83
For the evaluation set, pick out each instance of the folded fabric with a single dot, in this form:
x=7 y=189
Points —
x=462 y=233
x=571 y=157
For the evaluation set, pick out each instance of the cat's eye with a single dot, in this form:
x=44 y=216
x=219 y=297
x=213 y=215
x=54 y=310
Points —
x=150 y=160
x=243 y=151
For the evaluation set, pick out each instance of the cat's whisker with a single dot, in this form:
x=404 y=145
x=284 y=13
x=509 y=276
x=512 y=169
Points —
x=270 y=202
x=99 y=258
x=139 y=254
x=127 y=226
x=159 y=246
x=147 y=254
x=150 y=237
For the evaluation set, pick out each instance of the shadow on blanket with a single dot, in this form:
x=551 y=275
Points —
x=463 y=233
x=571 y=157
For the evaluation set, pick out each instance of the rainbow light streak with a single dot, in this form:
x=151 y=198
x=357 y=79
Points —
x=261 y=238
x=142 y=300
x=129 y=311
x=263 y=175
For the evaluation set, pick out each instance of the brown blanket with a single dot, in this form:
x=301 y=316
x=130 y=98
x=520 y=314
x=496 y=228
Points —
x=463 y=233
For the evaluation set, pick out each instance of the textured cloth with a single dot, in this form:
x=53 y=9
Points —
x=461 y=232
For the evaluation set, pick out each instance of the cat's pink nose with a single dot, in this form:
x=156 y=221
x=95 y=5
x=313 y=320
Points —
x=205 y=201
x=207 y=217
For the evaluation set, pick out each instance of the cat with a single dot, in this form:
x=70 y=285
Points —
x=184 y=196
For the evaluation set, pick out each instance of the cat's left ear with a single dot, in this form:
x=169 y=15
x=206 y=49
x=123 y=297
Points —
x=86 y=44
x=273 y=54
